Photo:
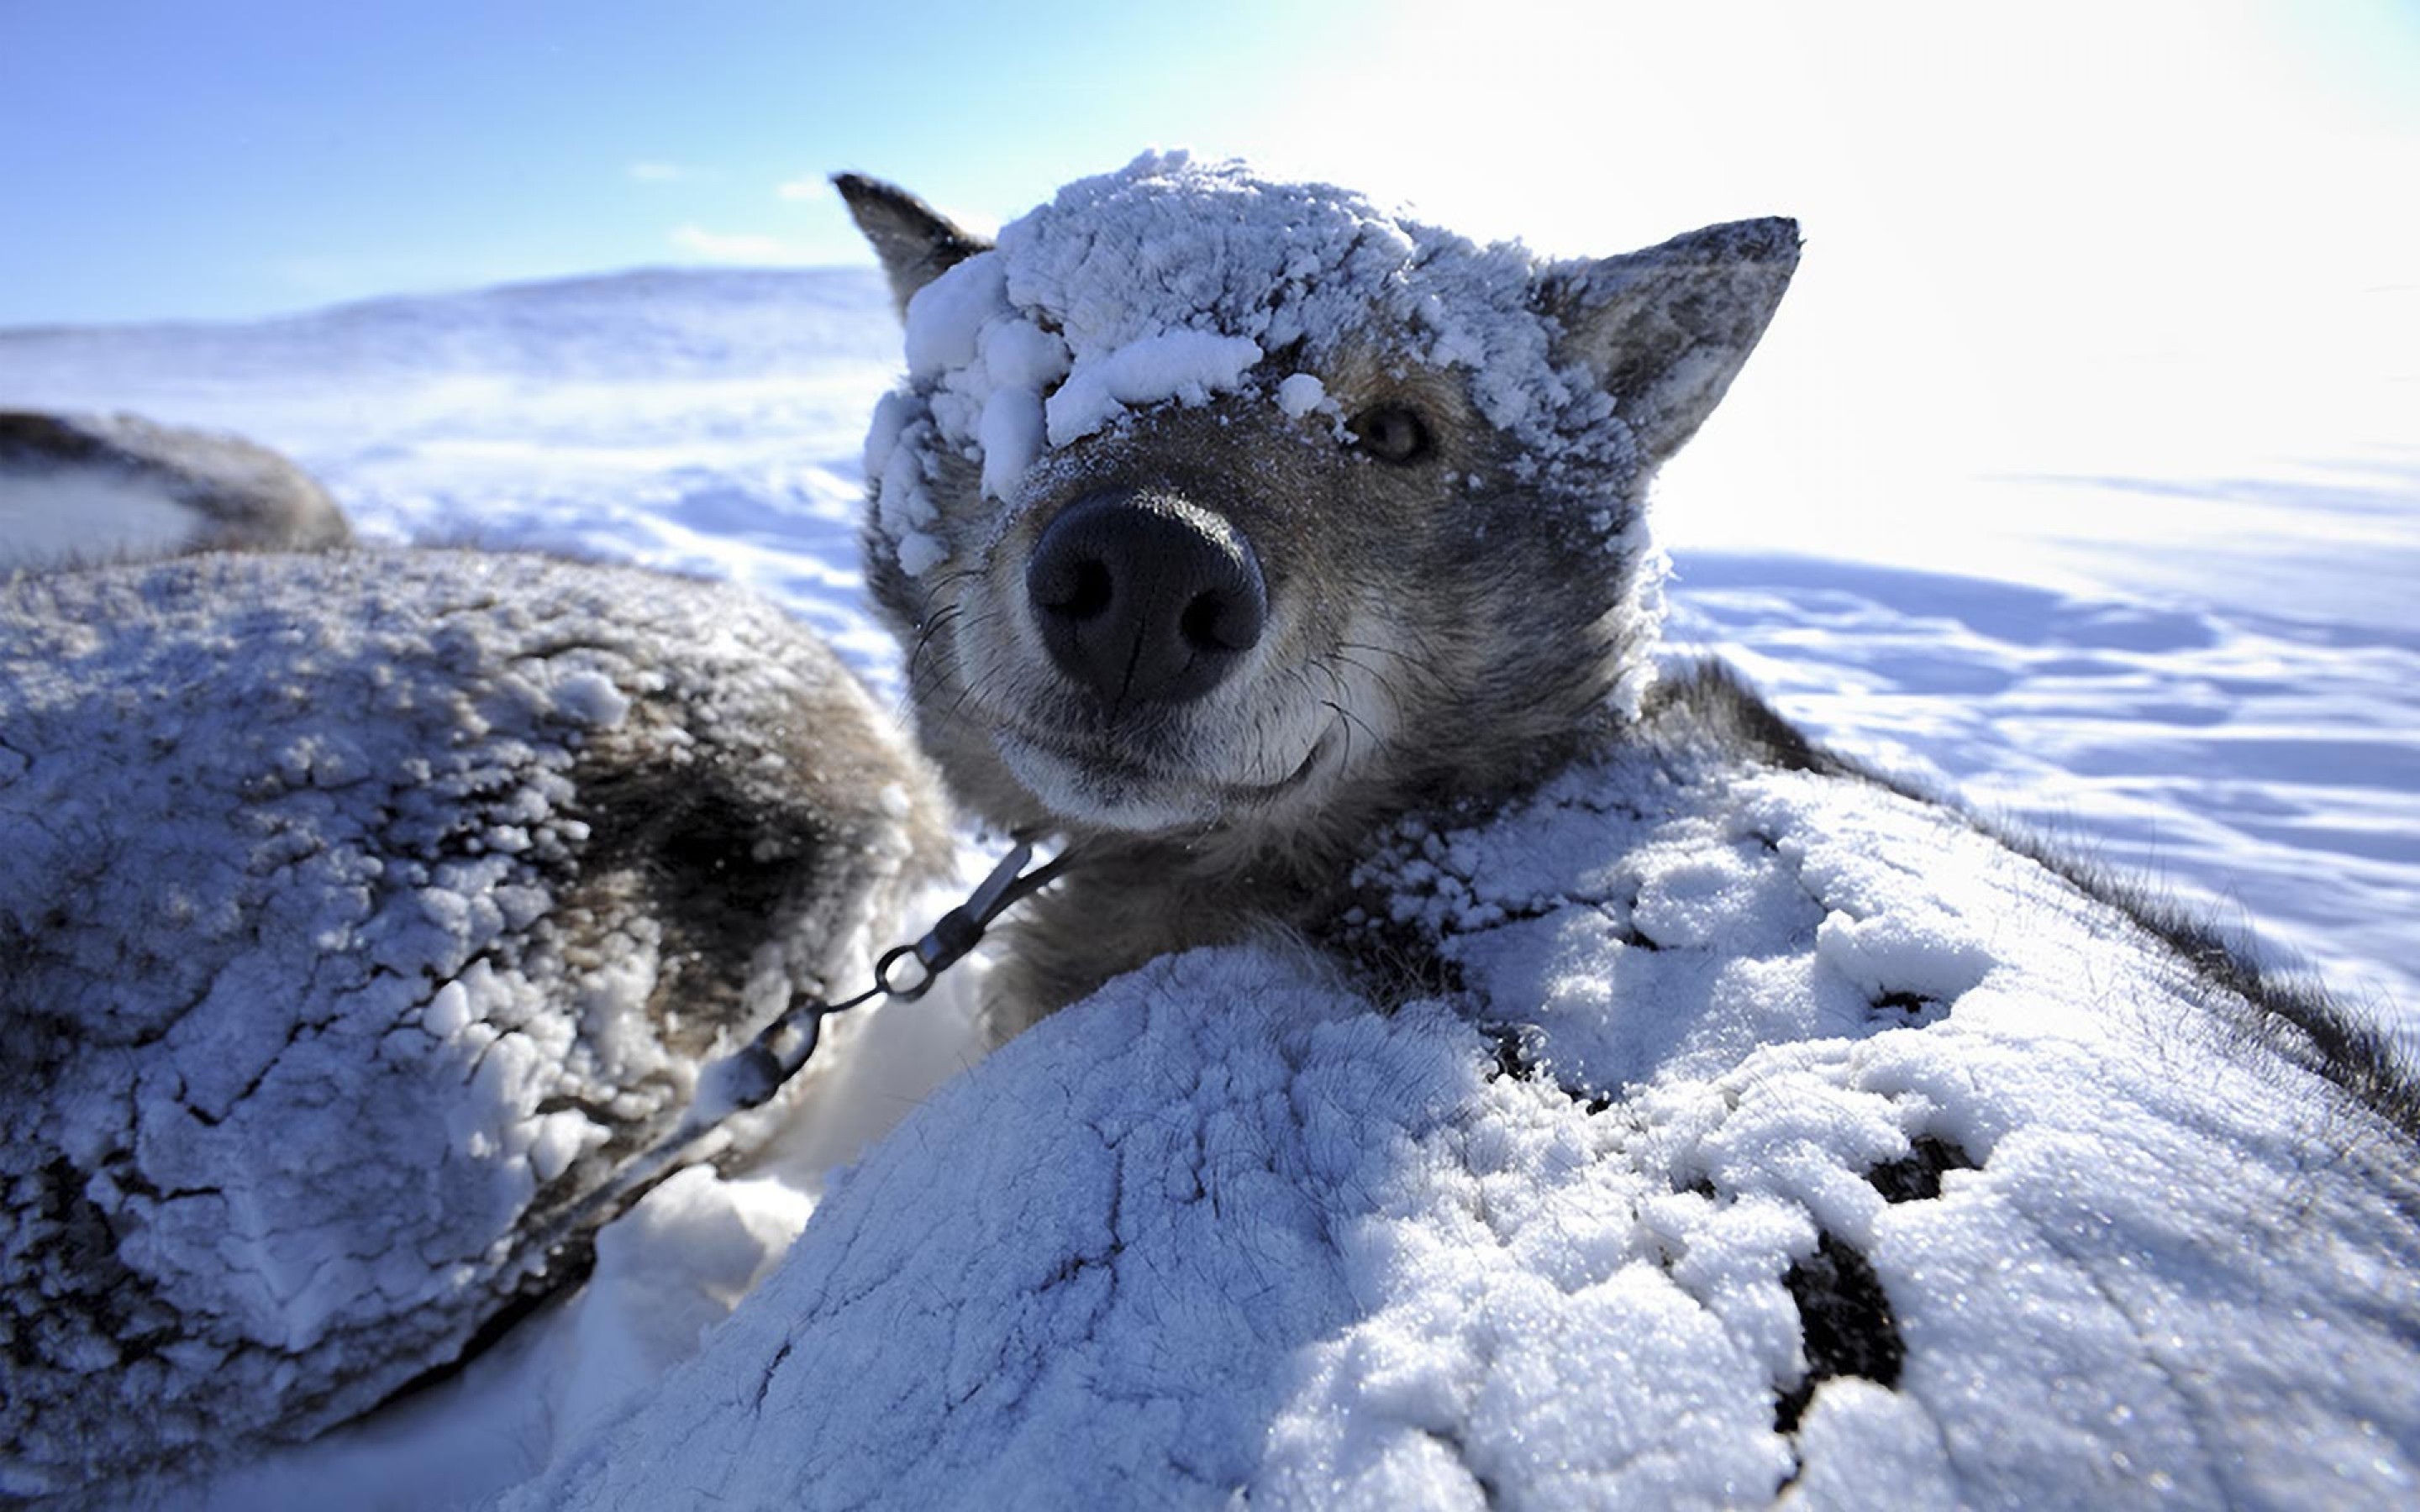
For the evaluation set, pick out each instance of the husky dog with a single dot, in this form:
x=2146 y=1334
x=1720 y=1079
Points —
x=101 y=487
x=363 y=916
x=1227 y=521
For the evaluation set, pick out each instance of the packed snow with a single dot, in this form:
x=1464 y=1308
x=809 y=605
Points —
x=2247 y=739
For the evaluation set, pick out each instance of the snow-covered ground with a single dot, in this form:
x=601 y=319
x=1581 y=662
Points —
x=2209 y=670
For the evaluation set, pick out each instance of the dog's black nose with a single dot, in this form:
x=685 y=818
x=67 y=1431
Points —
x=1144 y=598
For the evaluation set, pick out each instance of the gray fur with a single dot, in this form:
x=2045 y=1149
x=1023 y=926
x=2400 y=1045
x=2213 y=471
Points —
x=337 y=887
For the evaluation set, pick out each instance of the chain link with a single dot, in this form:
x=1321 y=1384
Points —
x=749 y=1077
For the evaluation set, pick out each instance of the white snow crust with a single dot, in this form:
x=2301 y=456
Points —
x=1226 y=1232
x=1169 y=282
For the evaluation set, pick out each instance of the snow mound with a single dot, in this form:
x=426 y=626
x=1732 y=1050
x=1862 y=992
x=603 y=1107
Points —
x=363 y=913
x=103 y=487
x=1784 y=1135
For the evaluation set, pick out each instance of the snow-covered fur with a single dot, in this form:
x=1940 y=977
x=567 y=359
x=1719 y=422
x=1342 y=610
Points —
x=1497 y=1076
x=361 y=913
x=112 y=487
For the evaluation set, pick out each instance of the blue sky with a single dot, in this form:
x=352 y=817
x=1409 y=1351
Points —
x=247 y=155
x=229 y=159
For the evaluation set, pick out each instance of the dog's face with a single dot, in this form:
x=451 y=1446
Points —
x=1217 y=505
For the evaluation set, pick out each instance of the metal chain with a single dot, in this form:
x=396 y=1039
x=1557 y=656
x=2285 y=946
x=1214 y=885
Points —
x=755 y=1072
x=749 y=1077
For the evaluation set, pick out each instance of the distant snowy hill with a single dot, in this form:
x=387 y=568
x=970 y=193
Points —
x=648 y=323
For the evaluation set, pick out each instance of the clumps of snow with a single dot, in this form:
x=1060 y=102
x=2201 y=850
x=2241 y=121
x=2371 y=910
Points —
x=1226 y=1231
x=1015 y=424
x=365 y=914
x=590 y=697
x=946 y=319
x=920 y=552
x=904 y=512
x=1900 y=957
x=1170 y=282
x=1187 y=366
x=1300 y=394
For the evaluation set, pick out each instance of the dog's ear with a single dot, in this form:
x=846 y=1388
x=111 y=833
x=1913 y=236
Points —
x=1666 y=330
x=916 y=242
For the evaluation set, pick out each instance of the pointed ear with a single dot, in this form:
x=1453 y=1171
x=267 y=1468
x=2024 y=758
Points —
x=917 y=244
x=1666 y=330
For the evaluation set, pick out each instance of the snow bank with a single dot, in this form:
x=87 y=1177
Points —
x=361 y=915
x=1786 y=1138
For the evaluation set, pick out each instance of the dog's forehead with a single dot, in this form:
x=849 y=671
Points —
x=1167 y=243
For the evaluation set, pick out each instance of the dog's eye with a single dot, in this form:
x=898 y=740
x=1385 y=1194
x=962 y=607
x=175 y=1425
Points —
x=1390 y=433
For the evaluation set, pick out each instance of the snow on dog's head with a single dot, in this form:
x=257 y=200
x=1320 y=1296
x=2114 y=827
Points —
x=1203 y=490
